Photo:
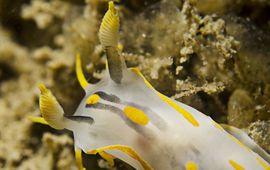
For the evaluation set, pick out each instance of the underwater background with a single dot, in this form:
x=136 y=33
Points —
x=210 y=54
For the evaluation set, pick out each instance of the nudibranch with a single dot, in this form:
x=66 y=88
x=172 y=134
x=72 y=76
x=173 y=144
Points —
x=124 y=117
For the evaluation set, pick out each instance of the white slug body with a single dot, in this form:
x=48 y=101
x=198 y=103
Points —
x=123 y=117
x=167 y=141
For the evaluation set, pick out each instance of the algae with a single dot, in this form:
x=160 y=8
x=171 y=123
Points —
x=212 y=56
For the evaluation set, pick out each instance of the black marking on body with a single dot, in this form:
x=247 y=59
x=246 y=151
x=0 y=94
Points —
x=85 y=119
x=154 y=118
x=140 y=129
x=107 y=107
x=111 y=98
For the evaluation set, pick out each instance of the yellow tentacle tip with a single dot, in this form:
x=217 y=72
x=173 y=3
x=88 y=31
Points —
x=38 y=119
x=80 y=76
x=111 y=7
x=42 y=88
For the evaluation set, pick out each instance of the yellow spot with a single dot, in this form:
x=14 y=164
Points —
x=239 y=143
x=78 y=156
x=108 y=157
x=93 y=99
x=50 y=109
x=42 y=88
x=136 y=115
x=125 y=149
x=38 y=119
x=236 y=165
x=80 y=76
x=191 y=166
x=169 y=101
x=263 y=164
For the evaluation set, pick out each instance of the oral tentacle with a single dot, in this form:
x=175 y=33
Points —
x=79 y=72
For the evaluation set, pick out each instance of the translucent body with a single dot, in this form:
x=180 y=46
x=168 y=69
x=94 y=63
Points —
x=168 y=141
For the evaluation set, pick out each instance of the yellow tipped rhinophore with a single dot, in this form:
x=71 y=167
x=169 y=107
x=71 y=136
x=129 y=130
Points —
x=80 y=76
x=50 y=109
x=108 y=32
